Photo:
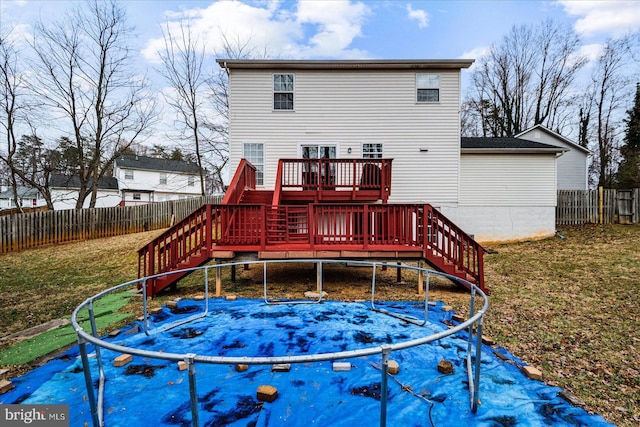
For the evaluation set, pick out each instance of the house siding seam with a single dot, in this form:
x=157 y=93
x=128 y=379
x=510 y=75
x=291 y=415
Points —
x=349 y=108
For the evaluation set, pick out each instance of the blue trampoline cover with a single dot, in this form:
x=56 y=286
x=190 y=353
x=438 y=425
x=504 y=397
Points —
x=155 y=392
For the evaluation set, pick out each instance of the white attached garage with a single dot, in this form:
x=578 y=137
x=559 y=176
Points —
x=508 y=189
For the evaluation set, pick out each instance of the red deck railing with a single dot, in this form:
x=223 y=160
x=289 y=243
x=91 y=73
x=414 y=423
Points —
x=325 y=177
x=390 y=228
x=243 y=179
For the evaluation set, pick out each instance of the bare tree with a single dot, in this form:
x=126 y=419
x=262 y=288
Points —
x=610 y=88
x=183 y=58
x=84 y=75
x=11 y=85
x=526 y=79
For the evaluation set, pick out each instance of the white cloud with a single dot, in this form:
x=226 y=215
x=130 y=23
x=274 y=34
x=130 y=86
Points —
x=475 y=53
x=309 y=29
x=611 y=17
x=419 y=15
x=591 y=51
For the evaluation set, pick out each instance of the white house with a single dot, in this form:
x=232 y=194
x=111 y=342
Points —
x=27 y=197
x=64 y=192
x=144 y=180
x=405 y=110
x=573 y=165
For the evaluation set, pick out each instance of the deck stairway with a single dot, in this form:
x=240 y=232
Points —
x=319 y=208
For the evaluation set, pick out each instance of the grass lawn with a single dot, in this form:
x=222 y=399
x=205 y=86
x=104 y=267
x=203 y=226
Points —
x=568 y=306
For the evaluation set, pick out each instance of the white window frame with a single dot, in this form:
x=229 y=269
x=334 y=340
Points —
x=427 y=82
x=257 y=162
x=128 y=174
x=163 y=178
x=372 y=150
x=277 y=90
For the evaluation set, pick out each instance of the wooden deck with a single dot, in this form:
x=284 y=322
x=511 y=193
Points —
x=304 y=225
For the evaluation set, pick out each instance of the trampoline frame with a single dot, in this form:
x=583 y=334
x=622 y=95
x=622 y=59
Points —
x=473 y=322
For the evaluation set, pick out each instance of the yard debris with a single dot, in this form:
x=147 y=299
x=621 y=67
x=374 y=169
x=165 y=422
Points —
x=182 y=365
x=282 y=367
x=571 y=398
x=315 y=295
x=488 y=340
x=393 y=367
x=341 y=366
x=240 y=367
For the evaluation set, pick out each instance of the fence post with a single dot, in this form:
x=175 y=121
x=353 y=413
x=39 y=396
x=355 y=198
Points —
x=600 y=205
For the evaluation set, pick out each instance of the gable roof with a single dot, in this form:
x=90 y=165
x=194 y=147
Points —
x=555 y=135
x=131 y=161
x=72 y=181
x=505 y=145
x=358 y=64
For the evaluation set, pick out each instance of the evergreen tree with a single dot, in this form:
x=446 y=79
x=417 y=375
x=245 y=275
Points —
x=629 y=170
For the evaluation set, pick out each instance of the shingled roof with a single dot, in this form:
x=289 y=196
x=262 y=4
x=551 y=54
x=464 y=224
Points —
x=130 y=161
x=72 y=181
x=505 y=144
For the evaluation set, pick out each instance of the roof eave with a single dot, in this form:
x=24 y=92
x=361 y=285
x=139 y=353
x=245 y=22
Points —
x=381 y=64
x=512 y=150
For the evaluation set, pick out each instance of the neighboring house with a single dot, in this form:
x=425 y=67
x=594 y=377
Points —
x=144 y=180
x=507 y=188
x=64 y=192
x=28 y=198
x=573 y=166
x=405 y=110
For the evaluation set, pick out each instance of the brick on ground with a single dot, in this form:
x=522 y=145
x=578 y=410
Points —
x=267 y=393
x=122 y=360
x=445 y=367
x=5 y=386
x=532 y=372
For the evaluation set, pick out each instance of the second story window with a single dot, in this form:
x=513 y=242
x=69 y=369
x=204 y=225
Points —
x=191 y=181
x=136 y=196
x=428 y=88
x=283 y=91
x=128 y=174
x=372 y=151
x=163 y=178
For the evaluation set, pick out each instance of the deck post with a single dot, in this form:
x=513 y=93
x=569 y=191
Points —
x=420 y=278
x=399 y=272
x=233 y=274
x=218 y=279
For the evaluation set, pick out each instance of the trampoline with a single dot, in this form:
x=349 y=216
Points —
x=201 y=363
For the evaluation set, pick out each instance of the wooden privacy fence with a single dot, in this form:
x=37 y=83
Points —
x=28 y=230
x=603 y=206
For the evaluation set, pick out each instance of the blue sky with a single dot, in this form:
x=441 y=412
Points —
x=353 y=29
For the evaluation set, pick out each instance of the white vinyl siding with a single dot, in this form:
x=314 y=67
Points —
x=572 y=165
x=355 y=107
x=508 y=180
